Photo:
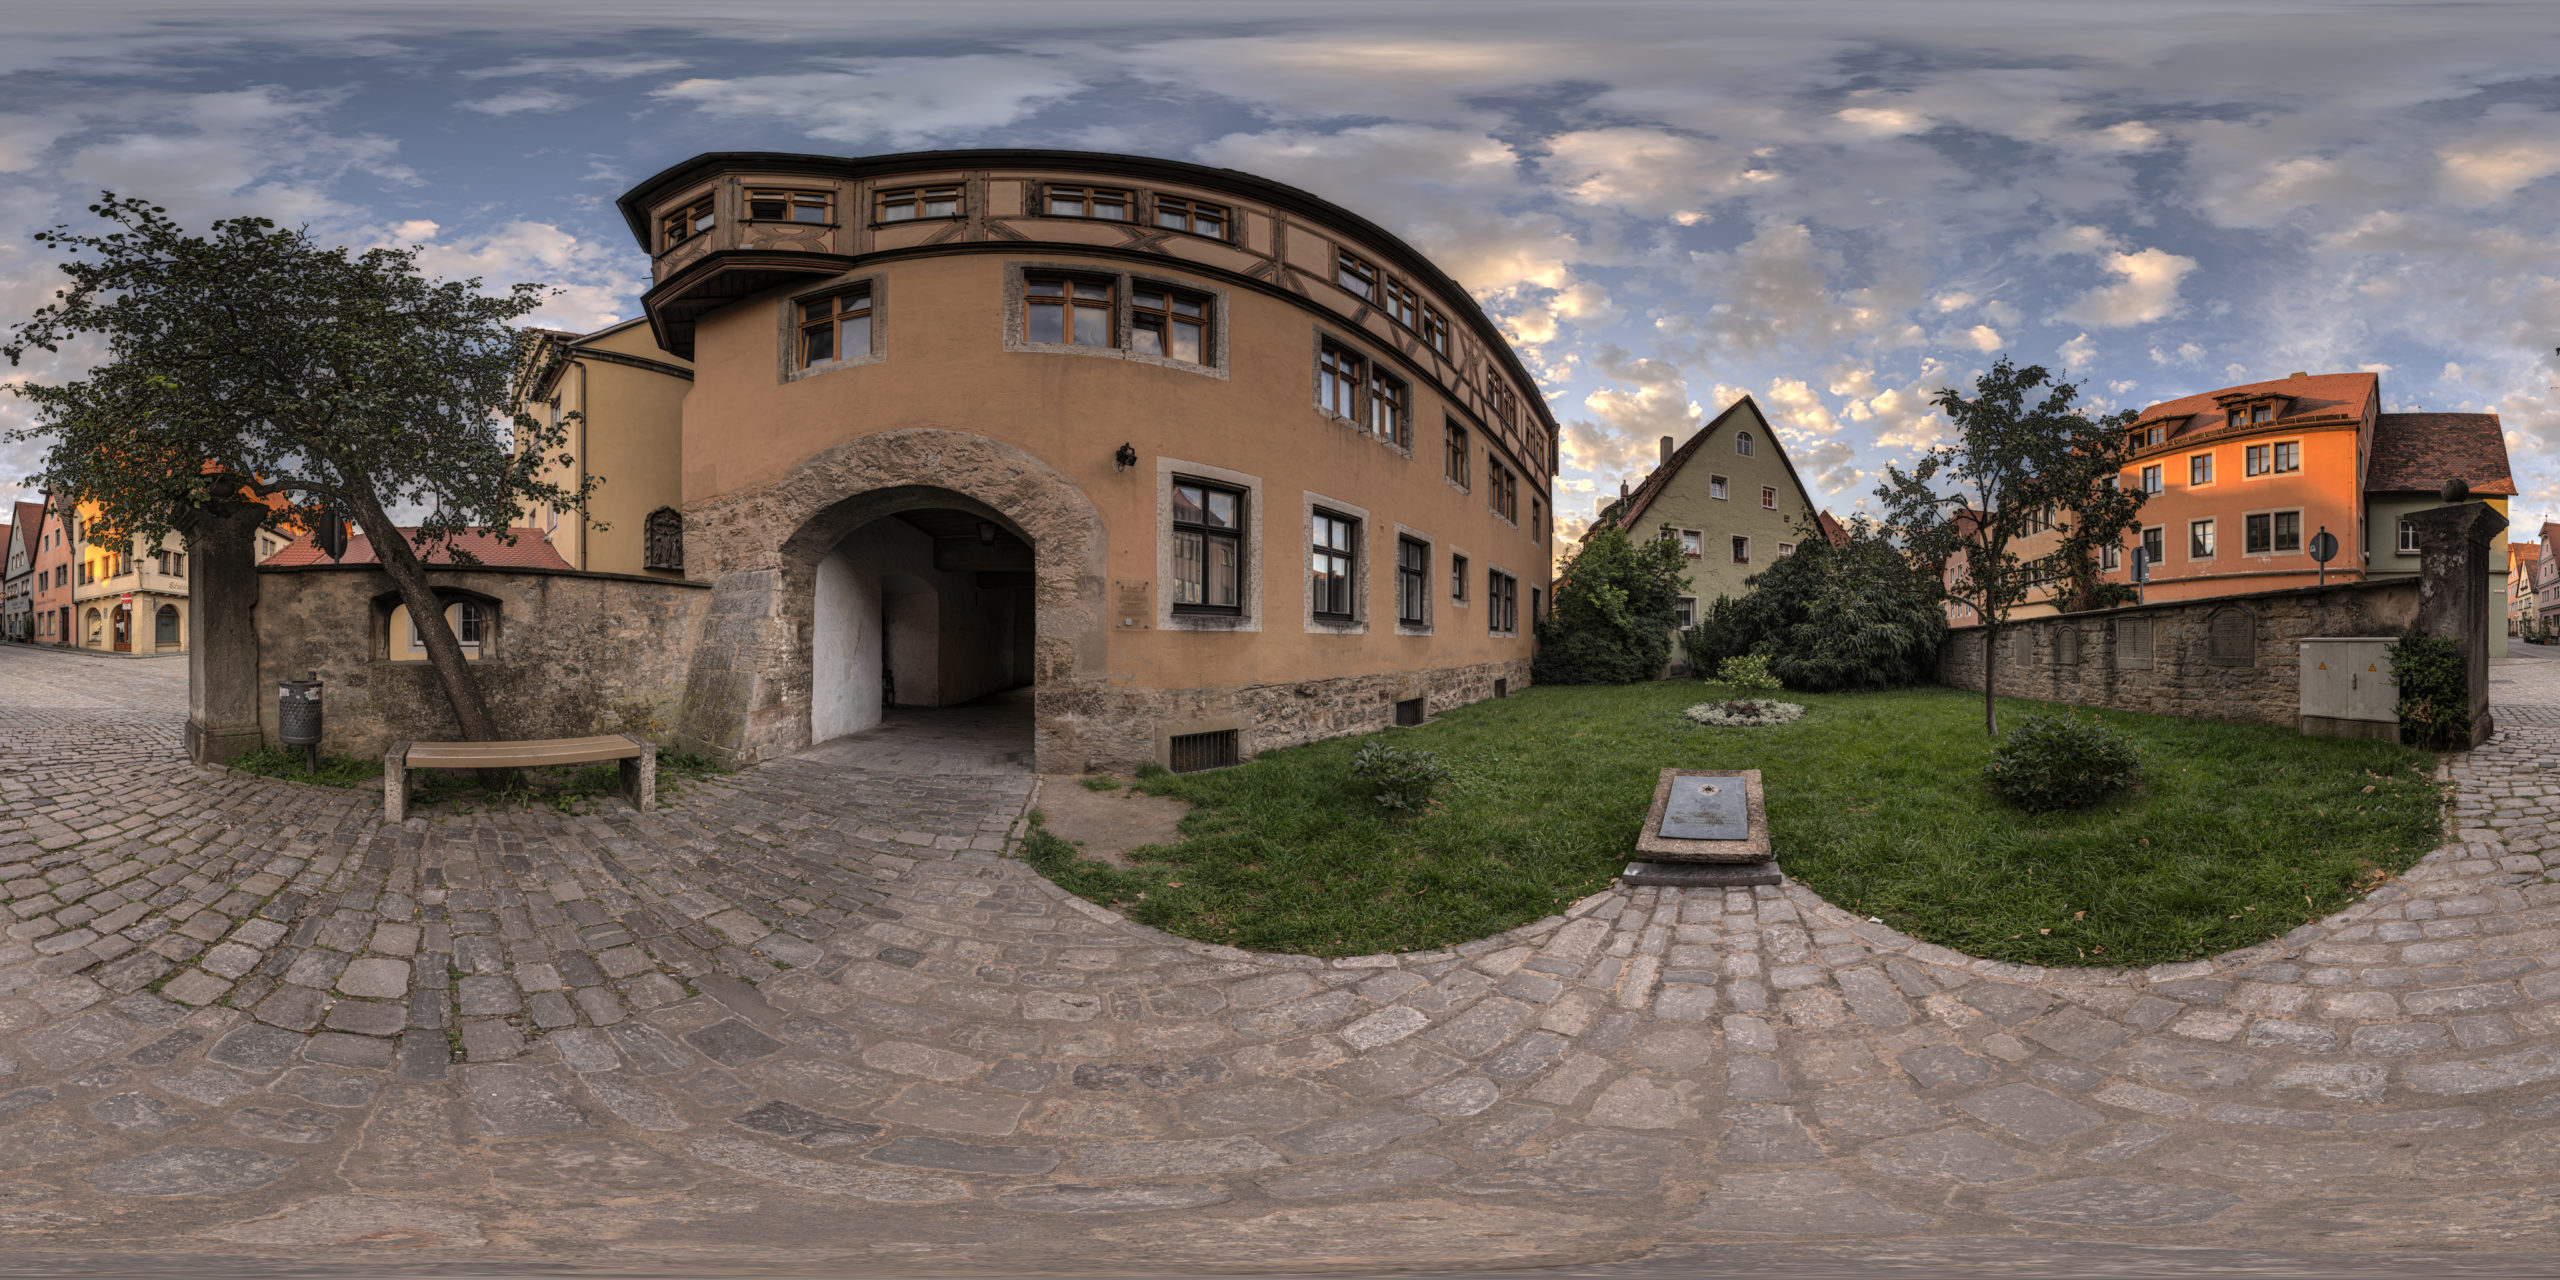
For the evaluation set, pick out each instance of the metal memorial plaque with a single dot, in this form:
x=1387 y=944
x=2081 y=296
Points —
x=1706 y=809
x=2231 y=638
x=1706 y=815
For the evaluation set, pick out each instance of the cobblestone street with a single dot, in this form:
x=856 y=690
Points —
x=810 y=1015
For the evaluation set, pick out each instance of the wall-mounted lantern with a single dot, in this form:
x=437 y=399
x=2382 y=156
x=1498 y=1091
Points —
x=1126 y=458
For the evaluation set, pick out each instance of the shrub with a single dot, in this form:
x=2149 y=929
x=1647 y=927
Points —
x=1854 y=616
x=2435 y=690
x=2061 y=762
x=1749 y=672
x=1401 y=780
x=1615 y=602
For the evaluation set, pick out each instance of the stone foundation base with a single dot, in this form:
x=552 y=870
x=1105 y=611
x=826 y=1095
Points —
x=1119 y=727
x=221 y=744
x=1700 y=875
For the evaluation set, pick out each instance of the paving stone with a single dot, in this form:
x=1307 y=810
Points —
x=2115 y=1202
x=1357 y=1135
x=1179 y=1158
x=1120 y=1199
x=934 y=1106
x=806 y=1127
x=1958 y=1155
x=326 y=1087
x=509 y=1101
x=139 y=1113
x=301 y=1125
x=1799 y=1202
x=2030 y=1114
x=255 y=1049
x=963 y=1157
x=189 y=1170
x=1873 y=1111
x=1598 y=1166
x=1940 y=1066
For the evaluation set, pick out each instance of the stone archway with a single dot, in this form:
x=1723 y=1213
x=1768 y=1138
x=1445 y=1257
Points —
x=747 y=696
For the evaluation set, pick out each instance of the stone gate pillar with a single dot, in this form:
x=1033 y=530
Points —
x=222 y=653
x=2453 y=591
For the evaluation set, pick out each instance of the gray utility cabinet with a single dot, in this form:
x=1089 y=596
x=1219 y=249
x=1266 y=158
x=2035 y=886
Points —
x=2347 y=688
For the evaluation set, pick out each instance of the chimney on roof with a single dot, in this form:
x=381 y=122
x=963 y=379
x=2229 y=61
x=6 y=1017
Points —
x=2299 y=374
x=1666 y=451
x=1622 y=490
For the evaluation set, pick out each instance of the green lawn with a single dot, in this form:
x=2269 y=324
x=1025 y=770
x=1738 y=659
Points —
x=1876 y=800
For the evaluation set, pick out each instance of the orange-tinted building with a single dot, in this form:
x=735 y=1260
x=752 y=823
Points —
x=2242 y=480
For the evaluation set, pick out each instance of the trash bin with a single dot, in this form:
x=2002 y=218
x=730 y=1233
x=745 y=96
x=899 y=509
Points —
x=298 y=718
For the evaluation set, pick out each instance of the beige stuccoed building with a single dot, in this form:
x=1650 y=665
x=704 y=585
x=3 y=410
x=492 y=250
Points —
x=1205 y=463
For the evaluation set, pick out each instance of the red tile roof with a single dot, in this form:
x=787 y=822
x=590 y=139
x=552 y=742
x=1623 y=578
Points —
x=30 y=520
x=2526 y=550
x=1834 y=531
x=2551 y=531
x=2418 y=452
x=2317 y=395
x=532 y=550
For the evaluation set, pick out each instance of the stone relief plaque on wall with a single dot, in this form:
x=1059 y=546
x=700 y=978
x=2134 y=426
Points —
x=2066 y=645
x=2231 y=638
x=2133 y=644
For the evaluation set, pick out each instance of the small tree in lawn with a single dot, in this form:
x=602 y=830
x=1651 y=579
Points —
x=254 y=362
x=1616 y=602
x=2021 y=465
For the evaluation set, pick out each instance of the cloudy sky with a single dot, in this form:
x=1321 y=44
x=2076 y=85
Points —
x=1836 y=207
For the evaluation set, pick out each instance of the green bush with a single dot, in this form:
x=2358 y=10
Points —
x=1829 y=618
x=1401 y=780
x=1615 y=603
x=2052 y=762
x=2435 y=690
x=1750 y=672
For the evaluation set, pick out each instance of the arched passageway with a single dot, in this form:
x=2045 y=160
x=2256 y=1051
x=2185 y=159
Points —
x=918 y=612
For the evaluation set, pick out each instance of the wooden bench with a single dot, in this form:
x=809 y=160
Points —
x=639 y=758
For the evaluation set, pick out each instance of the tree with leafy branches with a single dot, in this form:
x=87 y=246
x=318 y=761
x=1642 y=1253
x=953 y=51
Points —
x=2023 y=464
x=1616 y=602
x=252 y=364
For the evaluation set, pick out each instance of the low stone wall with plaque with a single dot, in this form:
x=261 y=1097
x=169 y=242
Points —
x=2227 y=658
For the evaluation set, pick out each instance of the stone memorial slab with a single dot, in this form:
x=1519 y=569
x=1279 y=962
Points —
x=1708 y=827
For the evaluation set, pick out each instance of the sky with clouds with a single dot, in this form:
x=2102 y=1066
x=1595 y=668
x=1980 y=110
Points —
x=1838 y=208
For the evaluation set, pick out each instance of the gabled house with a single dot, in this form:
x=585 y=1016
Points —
x=2524 y=562
x=1732 y=500
x=18 y=571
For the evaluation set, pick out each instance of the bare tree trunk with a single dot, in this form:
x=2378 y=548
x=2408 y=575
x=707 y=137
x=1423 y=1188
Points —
x=400 y=562
x=1990 y=662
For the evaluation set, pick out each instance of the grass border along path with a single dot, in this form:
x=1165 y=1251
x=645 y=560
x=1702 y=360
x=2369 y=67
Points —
x=1876 y=801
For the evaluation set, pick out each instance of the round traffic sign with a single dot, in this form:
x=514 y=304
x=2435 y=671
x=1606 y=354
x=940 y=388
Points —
x=2324 y=546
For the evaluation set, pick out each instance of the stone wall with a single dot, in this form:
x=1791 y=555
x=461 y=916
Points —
x=572 y=653
x=2229 y=658
x=1122 y=726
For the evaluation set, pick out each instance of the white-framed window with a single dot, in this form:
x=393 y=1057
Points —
x=1742 y=443
x=1684 y=612
x=2408 y=536
x=1693 y=544
x=1741 y=549
x=1786 y=549
x=1768 y=498
x=1716 y=486
x=2110 y=557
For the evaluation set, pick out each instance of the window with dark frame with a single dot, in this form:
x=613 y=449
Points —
x=1333 y=564
x=1684 y=612
x=789 y=206
x=1716 y=487
x=2155 y=544
x=1208 y=548
x=1107 y=204
x=2200 y=469
x=1389 y=399
x=2288 y=531
x=1169 y=323
x=1355 y=275
x=2200 y=539
x=1400 y=302
x=1197 y=217
x=2257 y=533
x=1339 y=373
x=1741 y=549
x=1503 y=488
x=1068 y=310
x=911 y=204
x=1413 y=582
x=2151 y=479
x=1454 y=461
x=1435 y=329
x=1500 y=404
x=1501 y=602
x=1742 y=443
x=686 y=223
x=1458 y=578
x=835 y=327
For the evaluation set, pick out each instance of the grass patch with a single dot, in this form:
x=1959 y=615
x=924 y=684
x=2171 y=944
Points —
x=1877 y=800
x=1099 y=782
x=569 y=788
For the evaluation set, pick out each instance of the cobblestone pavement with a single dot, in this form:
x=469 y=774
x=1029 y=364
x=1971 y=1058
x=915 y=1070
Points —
x=811 y=1015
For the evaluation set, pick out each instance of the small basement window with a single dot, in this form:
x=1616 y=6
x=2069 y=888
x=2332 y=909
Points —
x=1193 y=752
x=1408 y=713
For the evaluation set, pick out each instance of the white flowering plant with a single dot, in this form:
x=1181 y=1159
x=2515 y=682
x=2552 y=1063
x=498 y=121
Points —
x=1746 y=713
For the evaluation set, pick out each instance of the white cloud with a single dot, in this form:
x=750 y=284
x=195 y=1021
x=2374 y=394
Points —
x=610 y=67
x=2146 y=289
x=904 y=101
x=515 y=101
x=2078 y=353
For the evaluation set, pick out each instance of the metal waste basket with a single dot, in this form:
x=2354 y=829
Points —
x=298 y=718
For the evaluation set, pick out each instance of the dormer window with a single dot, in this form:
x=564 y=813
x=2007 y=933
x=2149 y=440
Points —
x=1198 y=217
x=2157 y=434
x=907 y=204
x=688 y=222
x=1110 y=204
x=787 y=206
